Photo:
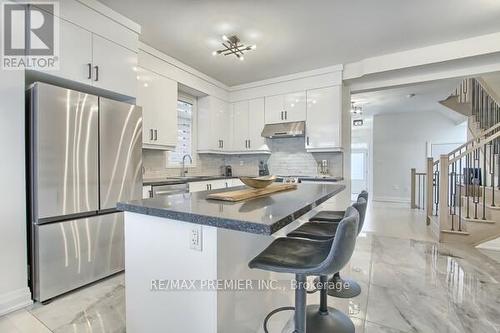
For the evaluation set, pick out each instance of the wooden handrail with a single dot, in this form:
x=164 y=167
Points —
x=483 y=133
x=480 y=144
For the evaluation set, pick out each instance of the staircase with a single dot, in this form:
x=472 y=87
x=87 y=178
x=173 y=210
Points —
x=463 y=187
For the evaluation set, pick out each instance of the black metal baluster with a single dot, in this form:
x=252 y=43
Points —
x=467 y=182
x=460 y=194
x=475 y=182
x=484 y=182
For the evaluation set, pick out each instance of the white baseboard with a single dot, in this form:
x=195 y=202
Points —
x=391 y=199
x=15 y=300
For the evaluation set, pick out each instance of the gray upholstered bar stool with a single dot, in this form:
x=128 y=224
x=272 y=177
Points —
x=305 y=257
x=334 y=215
x=321 y=230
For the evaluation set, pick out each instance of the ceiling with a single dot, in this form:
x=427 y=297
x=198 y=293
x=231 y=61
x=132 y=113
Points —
x=398 y=100
x=299 y=35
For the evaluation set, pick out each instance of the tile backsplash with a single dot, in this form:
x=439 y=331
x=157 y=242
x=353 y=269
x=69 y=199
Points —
x=288 y=157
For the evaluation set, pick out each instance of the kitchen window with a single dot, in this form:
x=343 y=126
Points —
x=185 y=132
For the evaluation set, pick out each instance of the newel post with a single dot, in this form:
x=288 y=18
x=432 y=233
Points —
x=429 y=198
x=444 y=184
x=413 y=204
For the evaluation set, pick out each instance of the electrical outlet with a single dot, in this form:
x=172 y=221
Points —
x=196 y=238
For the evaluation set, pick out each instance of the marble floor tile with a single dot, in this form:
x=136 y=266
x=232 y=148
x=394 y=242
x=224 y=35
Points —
x=100 y=307
x=21 y=321
x=376 y=328
x=411 y=312
x=409 y=283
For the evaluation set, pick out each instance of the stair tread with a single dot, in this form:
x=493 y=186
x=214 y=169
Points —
x=478 y=220
x=456 y=232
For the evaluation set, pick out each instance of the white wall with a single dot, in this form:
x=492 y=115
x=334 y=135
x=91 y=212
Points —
x=14 y=292
x=399 y=144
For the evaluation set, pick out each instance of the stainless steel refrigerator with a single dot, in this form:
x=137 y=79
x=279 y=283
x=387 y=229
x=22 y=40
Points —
x=84 y=156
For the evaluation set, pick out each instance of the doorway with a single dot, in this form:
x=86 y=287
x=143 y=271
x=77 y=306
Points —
x=359 y=172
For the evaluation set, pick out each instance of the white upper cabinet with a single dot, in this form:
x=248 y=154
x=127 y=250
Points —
x=240 y=126
x=113 y=67
x=75 y=53
x=295 y=106
x=324 y=119
x=215 y=124
x=157 y=95
x=88 y=58
x=221 y=124
x=285 y=108
x=255 y=125
x=274 y=109
x=248 y=122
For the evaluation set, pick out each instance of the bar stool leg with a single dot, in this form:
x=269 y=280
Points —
x=323 y=296
x=300 y=304
x=343 y=288
x=326 y=319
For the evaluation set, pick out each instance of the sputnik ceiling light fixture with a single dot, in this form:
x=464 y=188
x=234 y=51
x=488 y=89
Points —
x=232 y=45
x=356 y=109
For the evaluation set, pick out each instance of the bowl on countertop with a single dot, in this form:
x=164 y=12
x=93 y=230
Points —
x=258 y=182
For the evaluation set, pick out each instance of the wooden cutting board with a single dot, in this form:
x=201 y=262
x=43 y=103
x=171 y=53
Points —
x=250 y=193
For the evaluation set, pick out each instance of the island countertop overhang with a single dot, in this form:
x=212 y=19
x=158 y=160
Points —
x=264 y=215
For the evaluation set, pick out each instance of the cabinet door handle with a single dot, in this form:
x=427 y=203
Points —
x=307 y=139
x=286 y=115
x=156 y=135
x=246 y=143
x=281 y=115
x=151 y=135
x=222 y=141
x=249 y=143
x=89 y=66
x=96 y=68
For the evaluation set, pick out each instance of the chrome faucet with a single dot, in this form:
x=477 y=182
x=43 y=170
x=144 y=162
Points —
x=183 y=170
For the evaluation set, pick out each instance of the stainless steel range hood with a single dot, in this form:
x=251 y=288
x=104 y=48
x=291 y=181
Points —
x=284 y=130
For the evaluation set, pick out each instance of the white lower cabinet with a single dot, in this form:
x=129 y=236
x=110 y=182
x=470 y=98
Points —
x=211 y=185
x=324 y=119
x=236 y=182
x=146 y=192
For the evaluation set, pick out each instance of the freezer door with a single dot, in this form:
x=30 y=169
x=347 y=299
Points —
x=71 y=254
x=120 y=130
x=64 y=151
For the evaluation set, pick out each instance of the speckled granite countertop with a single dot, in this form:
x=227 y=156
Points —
x=264 y=215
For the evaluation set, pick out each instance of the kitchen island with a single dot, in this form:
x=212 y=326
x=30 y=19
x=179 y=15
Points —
x=186 y=259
